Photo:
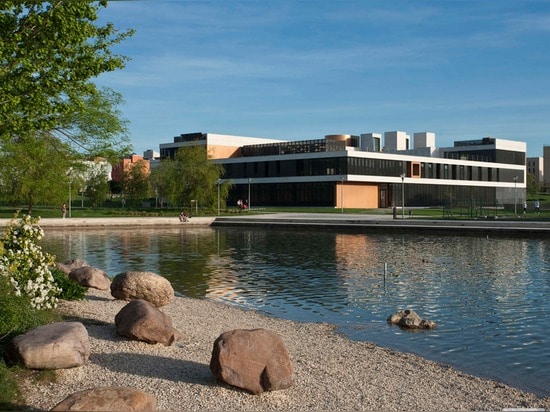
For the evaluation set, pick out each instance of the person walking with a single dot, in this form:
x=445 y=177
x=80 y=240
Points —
x=537 y=206
x=64 y=210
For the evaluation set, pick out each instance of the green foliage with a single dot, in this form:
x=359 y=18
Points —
x=18 y=315
x=97 y=188
x=136 y=183
x=69 y=289
x=25 y=266
x=10 y=390
x=191 y=175
x=49 y=52
x=34 y=169
x=51 y=114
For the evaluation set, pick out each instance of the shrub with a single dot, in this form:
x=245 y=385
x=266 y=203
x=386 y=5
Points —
x=18 y=315
x=10 y=390
x=25 y=266
x=69 y=289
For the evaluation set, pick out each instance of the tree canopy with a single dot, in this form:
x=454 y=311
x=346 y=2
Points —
x=50 y=52
x=189 y=176
x=51 y=112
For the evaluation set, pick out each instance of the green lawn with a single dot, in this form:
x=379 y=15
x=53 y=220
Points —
x=77 y=210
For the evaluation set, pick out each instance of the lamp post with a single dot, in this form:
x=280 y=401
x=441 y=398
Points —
x=249 y=202
x=342 y=193
x=70 y=195
x=219 y=184
x=402 y=196
x=69 y=174
x=515 y=195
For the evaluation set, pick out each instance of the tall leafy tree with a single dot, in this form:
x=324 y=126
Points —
x=190 y=175
x=28 y=174
x=35 y=167
x=51 y=112
x=49 y=53
x=97 y=187
x=136 y=181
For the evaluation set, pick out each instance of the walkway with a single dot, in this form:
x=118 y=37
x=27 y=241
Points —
x=355 y=222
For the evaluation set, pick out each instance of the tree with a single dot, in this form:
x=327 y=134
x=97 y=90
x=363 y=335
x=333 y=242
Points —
x=49 y=53
x=190 y=175
x=532 y=185
x=35 y=165
x=28 y=173
x=136 y=181
x=97 y=187
x=51 y=113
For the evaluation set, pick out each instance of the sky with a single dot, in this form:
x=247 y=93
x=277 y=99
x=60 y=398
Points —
x=303 y=69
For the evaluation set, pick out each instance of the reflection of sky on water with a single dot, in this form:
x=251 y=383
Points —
x=489 y=296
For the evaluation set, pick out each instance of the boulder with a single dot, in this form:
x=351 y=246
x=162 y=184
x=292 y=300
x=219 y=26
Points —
x=108 y=399
x=256 y=360
x=409 y=319
x=67 y=267
x=142 y=285
x=58 y=345
x=141 y=320
x=91 y=277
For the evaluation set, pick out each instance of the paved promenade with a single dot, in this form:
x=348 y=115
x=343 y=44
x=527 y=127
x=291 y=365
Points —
x=387 y=223
x=357 y=222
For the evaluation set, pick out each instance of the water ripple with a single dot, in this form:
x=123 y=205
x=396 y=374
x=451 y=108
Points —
x=489 y=297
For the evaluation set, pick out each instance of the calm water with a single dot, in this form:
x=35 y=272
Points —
x=489 y=296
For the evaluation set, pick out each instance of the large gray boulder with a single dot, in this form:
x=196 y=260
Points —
x=142 y=285
x=255 y=360
x=58 y=345
x=108 y=399
x=141 y=320
x=91 y=277
x=409 y=319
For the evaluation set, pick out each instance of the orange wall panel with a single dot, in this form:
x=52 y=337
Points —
x=357 y=196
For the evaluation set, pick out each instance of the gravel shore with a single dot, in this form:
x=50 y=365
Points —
x=331 y=372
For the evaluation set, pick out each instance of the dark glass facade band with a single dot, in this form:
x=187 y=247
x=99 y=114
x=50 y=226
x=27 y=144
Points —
x=335 y=166
x=323 y=194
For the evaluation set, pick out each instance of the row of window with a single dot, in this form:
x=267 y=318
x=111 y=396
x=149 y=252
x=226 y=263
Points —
x=368 y=167
x=323 y=194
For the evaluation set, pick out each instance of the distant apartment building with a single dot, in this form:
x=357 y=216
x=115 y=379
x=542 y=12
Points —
x=361 y=171
x=535 y=167
x=126 y=164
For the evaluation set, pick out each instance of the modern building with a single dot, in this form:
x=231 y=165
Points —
x=535 y=167
x=358 y=171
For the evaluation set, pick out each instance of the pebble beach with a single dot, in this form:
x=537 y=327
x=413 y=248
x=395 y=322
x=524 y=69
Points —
x=330 y=371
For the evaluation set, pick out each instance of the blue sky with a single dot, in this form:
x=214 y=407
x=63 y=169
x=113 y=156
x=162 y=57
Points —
x=297 y=70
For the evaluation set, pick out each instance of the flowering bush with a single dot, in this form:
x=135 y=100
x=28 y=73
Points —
x=25 y=265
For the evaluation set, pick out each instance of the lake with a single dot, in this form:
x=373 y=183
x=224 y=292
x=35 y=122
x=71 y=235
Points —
x=488 y=295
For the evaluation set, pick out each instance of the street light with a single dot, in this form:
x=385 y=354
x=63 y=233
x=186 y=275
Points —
x=249 y=202
x=219 y=183
x=402 y=196
x=69 y=196
x=70 y=175
x=515 y=195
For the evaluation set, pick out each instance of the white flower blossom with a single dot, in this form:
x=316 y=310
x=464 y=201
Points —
x=24 y=263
